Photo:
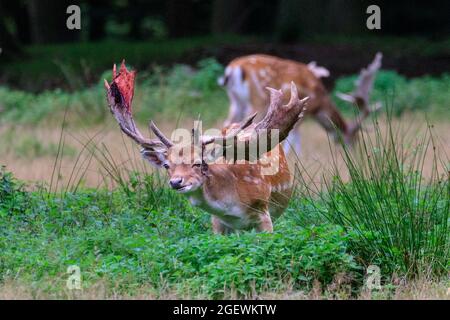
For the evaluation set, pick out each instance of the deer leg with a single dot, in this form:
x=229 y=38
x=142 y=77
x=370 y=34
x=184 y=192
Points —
x=293 y=141
x=240 y=106
x=265 y=222
x=232 y=115
x=218 y=226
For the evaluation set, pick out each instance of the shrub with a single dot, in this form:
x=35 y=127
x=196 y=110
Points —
x=209 y=70
x=193 y=93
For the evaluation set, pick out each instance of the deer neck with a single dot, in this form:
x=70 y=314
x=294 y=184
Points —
x=218 y=194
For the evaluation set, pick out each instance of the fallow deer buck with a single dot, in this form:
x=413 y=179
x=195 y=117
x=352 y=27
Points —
x=237 y=192
x=246 y=77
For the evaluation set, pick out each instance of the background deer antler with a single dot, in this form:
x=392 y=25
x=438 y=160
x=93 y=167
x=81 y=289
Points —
x=360 y=96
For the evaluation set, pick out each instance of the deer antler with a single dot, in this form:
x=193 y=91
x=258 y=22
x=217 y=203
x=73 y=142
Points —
x=283 y=117
x=278 y=117
x=166 y=141
x=360 y=96
x=120 y=95
x=232 y=134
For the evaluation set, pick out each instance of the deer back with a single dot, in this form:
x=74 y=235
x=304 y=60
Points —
x=256 y=72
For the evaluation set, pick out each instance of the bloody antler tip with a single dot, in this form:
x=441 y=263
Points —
x=123 y=67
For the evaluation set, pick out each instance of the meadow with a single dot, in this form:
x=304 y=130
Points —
x=74 y=191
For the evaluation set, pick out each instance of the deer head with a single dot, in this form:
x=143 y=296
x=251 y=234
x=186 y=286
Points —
x=187 y=164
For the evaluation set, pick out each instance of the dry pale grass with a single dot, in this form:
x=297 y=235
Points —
x=421 y=289
x=316 y=157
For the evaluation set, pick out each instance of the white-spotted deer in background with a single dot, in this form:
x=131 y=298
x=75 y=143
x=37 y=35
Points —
x=246 y=77
x=237 y=193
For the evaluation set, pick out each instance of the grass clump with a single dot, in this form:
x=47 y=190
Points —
x=400 y=217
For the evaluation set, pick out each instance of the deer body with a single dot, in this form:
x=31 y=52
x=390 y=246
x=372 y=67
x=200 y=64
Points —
x=240 y=197
x=246 y=77
x=241 y=192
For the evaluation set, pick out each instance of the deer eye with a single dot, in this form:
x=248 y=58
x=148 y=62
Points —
x=166 y=165
x=196 y=165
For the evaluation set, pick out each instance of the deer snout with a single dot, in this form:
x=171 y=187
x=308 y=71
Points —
x=176 y=183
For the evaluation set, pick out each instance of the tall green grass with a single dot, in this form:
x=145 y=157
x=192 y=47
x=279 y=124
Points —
x=399 y=212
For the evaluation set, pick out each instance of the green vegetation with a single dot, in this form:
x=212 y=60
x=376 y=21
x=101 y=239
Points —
x=181 y=91
x=145 y=235
x=192 y=92
x=401 y=218
x=153 y=237
x=73 y=65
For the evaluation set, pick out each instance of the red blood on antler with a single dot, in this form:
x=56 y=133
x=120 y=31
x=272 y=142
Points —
x=119 y=94
x=279 y=117
x=125 y=85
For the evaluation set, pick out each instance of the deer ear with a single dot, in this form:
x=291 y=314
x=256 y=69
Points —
x=156 y=158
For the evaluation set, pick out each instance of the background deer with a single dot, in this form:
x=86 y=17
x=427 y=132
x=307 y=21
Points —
x=246 y=77
x=237 y=194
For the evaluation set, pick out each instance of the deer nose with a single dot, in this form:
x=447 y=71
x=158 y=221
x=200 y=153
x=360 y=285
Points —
x=176 y=183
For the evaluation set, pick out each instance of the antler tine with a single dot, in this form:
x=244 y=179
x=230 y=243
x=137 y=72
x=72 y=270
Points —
x=124 y=117
x=364 y=85
x=166 y=141
x=366 y=79
x=294 y=96
x=360 y=95
x=232 y=134
x=276 y=98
